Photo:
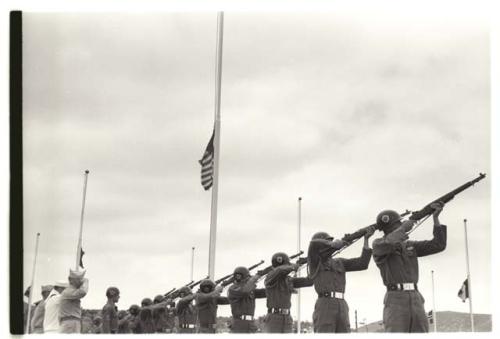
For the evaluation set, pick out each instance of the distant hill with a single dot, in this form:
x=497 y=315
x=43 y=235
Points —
x=447 y=321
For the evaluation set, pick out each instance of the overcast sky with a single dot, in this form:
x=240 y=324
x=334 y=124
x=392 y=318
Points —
x=355 y=114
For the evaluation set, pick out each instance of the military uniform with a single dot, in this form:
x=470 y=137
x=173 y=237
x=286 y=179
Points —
x=241 y=297
x=397 y=261
x=186 y=314
x=206 y=306
x=331 y=312
x=109 y=318
x=37 y=319
x=70 y=311
x=279 y=288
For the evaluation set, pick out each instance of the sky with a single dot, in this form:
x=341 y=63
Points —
x=353 y=113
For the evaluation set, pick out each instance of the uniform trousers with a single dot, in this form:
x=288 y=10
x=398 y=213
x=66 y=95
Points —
x=71 y=326
x=404 y=312
x=331 y=315
x=243 y=326
x=278 y=323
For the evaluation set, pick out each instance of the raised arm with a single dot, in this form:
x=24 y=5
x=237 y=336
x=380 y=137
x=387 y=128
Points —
x=438 y=242
x=76 y=293
x=279 y=272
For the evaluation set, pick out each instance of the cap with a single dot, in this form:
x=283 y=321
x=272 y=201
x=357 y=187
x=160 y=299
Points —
x=76 y=274
x=47 y=288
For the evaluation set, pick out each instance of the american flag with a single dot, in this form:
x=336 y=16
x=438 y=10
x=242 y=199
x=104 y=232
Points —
x=207 y=164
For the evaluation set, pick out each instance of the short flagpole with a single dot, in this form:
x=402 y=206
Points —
x=469 y=283
x=79 y=246
x=434 y=315
x=298 y=250
x=32 y=286
x=215 y=186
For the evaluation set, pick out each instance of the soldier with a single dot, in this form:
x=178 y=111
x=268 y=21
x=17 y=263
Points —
x=123 y=323
x=133 y=319
x=170 y=313
x=51 y=317
x=39 y=313
x=241 y=295
x=110 y=311
x=331 y=313
x=146 y=323
x=396 y=258
x=279 y=288
x=159 y=309
x=207 y=299
x=97 y=325
x=70 y=312
x=186 y=313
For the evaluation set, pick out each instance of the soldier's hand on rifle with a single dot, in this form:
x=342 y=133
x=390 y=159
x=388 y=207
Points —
x=369 y=232
x=219 y=288
x=438 y=208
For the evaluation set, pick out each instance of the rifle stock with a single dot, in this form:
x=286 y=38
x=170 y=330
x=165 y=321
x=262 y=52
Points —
x=270 y=267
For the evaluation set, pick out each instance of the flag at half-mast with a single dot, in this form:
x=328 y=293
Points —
x=207 y=165
x=463 y=293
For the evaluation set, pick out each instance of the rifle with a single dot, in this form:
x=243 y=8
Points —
x=428 y=210
x=269 y=268
x=351 y=238
x=169 y=292
x=229 y=279
x=194 y=284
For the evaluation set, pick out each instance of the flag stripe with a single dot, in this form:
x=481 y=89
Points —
x=207 y=164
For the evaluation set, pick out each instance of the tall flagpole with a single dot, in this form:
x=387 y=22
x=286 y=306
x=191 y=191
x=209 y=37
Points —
x=298 y=250
x=32 y=286
x=79 y=247
x=192 y=262
x=469 y=283
x=215 y=187
x=434 y=315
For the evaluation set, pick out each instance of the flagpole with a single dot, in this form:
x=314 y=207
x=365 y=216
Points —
x=79 y=246
x=434 y=315
x=298 y=250
x=32 y=286
x=192 y=262
x=469 y=284
x=215 y=187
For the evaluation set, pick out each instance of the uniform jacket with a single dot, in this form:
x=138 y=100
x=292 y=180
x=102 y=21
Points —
x=70 y=300
x=280 y=286
x=242 y=296
x=109 y=318
x=331 y=273
x=396 y=257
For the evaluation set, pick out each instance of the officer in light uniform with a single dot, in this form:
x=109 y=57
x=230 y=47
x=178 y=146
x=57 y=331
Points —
x=70 y=311
x=279 y=288
x=396 y=258
x=241 y=295
x=331 y=313
x=39 y=313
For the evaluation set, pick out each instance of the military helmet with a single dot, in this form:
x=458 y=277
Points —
x=158 y=299
x=280 y=258
x=322 y=235
x=207 y=283
x=186 y=290
x=387 y=218
x=146 y=302
x=242 y=270
x=112 y=291
x=134 y=309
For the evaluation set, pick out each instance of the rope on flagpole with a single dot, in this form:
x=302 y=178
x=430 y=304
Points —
x=79 y=246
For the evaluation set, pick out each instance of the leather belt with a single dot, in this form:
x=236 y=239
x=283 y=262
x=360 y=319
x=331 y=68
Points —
x=69 y=317
x=212 y=326
x=187 y=325
x=278 y=310
x=244 y=317
x=336 y=295
x=402 y=287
